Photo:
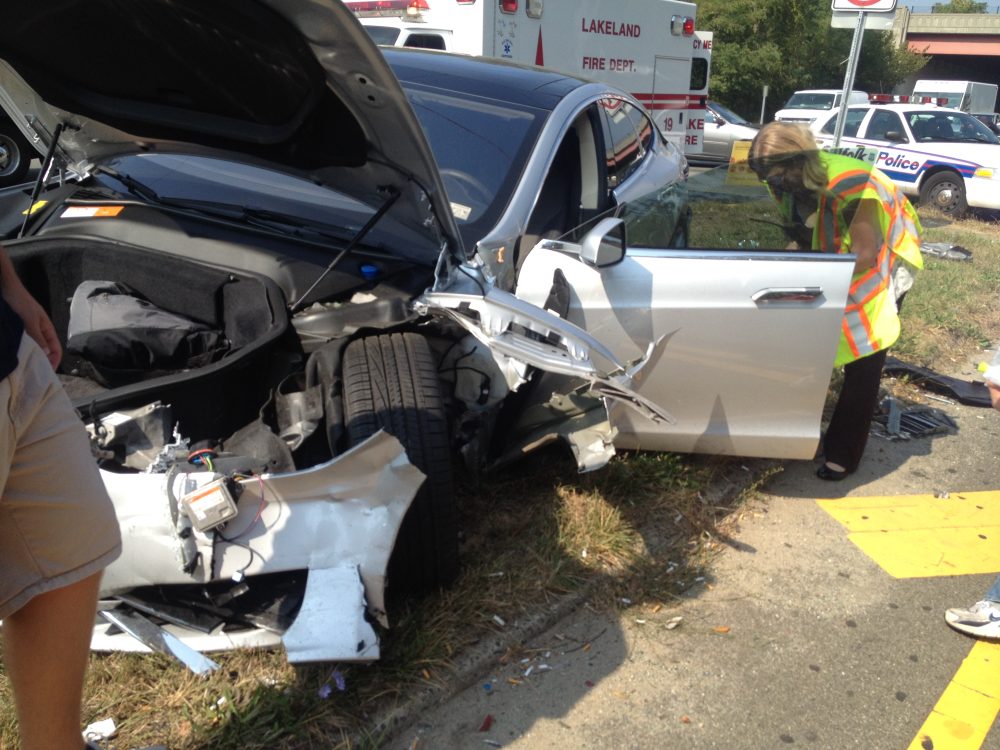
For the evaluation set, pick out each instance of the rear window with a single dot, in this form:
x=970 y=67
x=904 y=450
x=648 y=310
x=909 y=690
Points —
x=386 y=35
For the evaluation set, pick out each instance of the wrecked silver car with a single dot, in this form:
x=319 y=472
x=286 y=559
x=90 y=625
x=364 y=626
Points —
x=299 y=282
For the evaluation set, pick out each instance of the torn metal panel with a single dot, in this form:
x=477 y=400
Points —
x=157 y=639
x=108 y=637
x=346 y=511
x=331 y=623
x=580 y=421
x=497 y=319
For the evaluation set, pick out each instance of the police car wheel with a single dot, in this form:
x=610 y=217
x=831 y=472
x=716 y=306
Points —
x=945 y=191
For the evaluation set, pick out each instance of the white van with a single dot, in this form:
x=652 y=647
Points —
x=806 y=105
x=968 y=96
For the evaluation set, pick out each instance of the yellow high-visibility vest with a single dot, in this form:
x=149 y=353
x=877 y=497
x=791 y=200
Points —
x=870 y=321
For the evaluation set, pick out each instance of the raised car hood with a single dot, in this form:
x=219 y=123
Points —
x=297 y=84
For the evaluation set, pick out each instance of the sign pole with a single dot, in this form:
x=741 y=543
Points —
x=852 y=64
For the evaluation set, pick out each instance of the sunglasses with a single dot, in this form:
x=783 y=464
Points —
x=764 y=166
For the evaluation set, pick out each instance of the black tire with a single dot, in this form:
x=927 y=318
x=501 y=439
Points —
x=945 y=191
x=391 y=383
x=15 y=155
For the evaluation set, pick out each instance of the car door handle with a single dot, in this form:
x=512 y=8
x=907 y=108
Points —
x=788 y=294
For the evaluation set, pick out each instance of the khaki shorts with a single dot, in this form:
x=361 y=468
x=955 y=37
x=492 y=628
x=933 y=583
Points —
x=57 y=524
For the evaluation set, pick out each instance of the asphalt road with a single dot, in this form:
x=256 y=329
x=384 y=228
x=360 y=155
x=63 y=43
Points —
x=819 y=626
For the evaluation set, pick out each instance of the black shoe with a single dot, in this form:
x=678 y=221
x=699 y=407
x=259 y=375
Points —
x=830 y=474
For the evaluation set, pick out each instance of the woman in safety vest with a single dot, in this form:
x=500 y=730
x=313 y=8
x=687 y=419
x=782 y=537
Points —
x=836 y=204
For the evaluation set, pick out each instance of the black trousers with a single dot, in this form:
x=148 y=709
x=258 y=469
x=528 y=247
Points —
x=852 y=416
x=847 y=434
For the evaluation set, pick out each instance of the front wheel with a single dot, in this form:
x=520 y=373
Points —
x=15 y=155
x=391 y=383
x=945 y=191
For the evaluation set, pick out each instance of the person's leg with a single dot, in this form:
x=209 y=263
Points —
x=982 y=619
x=58 y=531
x=46 y=647
x=993 y=595
x=847 y=434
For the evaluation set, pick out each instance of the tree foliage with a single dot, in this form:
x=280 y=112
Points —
x=959 y=6
x=790 y=45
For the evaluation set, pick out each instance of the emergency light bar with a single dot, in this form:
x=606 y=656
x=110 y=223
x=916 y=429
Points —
x=388 y=7
x=508 y=6
x=681 y=25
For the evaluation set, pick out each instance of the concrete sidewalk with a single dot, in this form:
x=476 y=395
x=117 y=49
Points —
x=798 y=637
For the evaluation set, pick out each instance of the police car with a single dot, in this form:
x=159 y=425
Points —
x=942 y=157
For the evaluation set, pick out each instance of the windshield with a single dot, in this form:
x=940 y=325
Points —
x=727 y=114
x=807 y=100
x=480 y=147
x=954 y=127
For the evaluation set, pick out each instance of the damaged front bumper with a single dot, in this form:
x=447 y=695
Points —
x=336 y=522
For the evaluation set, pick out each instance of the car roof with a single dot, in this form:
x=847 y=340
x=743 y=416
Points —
x=501 y=80
x=902 y=107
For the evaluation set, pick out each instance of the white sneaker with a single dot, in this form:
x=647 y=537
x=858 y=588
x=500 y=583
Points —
x=981 y=620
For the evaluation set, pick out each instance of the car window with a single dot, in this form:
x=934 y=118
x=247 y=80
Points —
x=699 y=74
x=480 y=169
x=386 y=35
x=882 y=123
x=944 y=126
x=425 y=41
x=728 y=114
x=852 y=122
x=623 y=147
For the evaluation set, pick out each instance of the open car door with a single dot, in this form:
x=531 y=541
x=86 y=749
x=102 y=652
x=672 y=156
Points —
x=748 y=331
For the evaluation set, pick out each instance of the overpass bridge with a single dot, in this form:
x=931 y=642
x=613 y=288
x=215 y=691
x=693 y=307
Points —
x=961 y=46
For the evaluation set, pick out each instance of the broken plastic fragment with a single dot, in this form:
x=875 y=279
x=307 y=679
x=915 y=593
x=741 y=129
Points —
x=104 y=729
x=487 y=723
x=673 y=622
x=723 y=629
x=499 y=620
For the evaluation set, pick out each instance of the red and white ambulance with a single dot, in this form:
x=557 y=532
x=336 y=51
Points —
x=647 y=47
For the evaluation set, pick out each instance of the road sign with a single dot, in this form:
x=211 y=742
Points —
x=868 y=6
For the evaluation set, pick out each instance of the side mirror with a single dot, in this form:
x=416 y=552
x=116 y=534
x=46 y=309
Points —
x=604 y=245
x=895 y=136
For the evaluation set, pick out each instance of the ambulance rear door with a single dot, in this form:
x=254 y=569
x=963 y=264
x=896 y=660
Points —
x=701 y=66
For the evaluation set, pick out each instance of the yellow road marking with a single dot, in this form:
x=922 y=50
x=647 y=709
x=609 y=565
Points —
x=968 y=706
x=920 y=536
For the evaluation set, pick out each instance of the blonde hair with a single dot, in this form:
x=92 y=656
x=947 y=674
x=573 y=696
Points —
x=779 y=142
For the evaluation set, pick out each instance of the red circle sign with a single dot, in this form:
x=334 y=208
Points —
x=863 y=3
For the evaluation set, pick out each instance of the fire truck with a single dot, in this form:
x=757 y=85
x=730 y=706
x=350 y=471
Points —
x=649 y=48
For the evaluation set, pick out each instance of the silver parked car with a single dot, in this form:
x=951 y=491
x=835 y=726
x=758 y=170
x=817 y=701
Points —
x=723 y=128
x=356 y=273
